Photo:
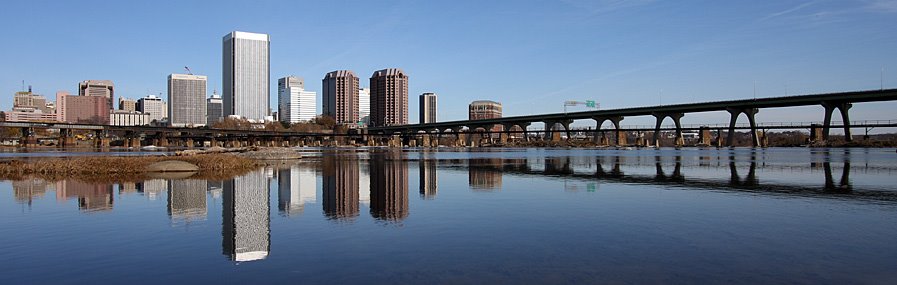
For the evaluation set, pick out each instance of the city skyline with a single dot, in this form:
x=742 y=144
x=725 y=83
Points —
x=570 y=49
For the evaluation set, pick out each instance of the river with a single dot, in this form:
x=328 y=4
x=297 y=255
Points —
x=448 y=216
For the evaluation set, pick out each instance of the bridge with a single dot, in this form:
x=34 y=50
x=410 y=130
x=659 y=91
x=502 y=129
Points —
x=750 y=107
x=463 y=132
x=136 y=136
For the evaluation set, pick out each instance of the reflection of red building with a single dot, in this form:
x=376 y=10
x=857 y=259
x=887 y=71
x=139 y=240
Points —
x=340 y=183
x=485 y=173
x=389 y=187
x=25 y=191
x=91 y=196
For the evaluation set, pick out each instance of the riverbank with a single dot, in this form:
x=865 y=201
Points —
x=91 y=168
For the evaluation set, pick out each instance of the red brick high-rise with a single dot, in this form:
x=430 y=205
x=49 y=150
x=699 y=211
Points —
x=389 y=97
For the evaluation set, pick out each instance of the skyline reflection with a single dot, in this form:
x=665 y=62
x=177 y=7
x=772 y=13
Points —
x=246 y=217
x=296 y=186
x=389 y=186
x=339 y=180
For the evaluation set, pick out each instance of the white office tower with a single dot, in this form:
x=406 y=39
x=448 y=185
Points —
x=245 y=75
x=187 y=100
x=154 y=107
x=246 y=221
x=364 y=105
x=295 y=104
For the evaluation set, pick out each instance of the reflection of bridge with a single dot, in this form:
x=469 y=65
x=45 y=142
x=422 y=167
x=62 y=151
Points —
x=834 y=186
x=749 y=107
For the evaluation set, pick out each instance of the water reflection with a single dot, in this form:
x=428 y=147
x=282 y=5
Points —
x=389 y=186
x=660 y=175
x=187 y=199
x=429 y=181
x=246 y=217
x=749 y=180
x=91 y=196
x=152 y=188
x=340 y=182
x=26 y=191
x=483 y=174
x=296 y=186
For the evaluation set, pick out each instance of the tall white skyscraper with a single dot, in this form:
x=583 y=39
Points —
x=295 y=104
x=364 y=105
x=187 y=100
x=246 y=82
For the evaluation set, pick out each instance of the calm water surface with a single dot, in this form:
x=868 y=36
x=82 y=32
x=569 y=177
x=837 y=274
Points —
x=513 y=216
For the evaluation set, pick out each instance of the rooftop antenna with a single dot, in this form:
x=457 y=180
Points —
x=188 y=70
x=23 y=85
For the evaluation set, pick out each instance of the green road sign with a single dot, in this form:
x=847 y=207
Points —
x=590 y=103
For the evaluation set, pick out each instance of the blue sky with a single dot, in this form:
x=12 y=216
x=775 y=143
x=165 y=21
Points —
x=529 y=55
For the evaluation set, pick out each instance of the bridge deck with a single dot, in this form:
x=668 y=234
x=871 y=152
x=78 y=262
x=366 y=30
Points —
x=773 y=102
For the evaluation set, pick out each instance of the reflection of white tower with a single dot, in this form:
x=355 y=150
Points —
x=246 y=220
x=296 y=186
x=428 y=179
x=215 y=189
x=364 y=185
x=151 y=188
x=187 y=199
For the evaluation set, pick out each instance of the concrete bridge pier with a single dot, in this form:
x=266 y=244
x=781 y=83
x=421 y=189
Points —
x=750 y=113
x=101 y=139
x=600 y=121
x=676 y=120
x=396 y=141
x=437 y=136
x=718 y=140
x=704 y=136
x=134 y=142
x=845 y=116
x=163 y=140
x=469 y=138
x=505 y=135
x=524 y=126
x=28 y=139
x=457 y=136
x=552 y=134
x=620 y=136
x=640 y=139
x=764 y=139
x=65 y=138
x=425 y=140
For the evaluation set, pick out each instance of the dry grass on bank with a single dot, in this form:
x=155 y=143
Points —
x=121 y=167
